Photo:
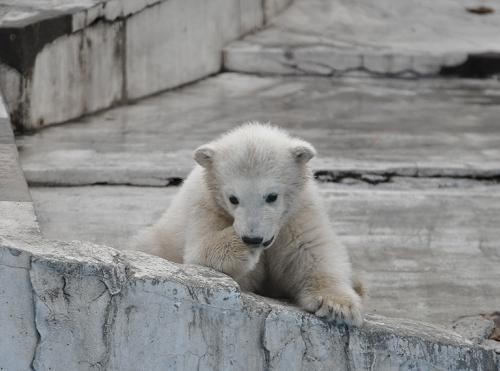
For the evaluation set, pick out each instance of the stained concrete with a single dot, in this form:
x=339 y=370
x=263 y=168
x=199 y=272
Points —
x=90 y=55
x=387 y=37
x=423 y=128
x=85 y=59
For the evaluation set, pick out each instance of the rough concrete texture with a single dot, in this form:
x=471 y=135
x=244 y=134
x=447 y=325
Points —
x=90 y=55
x=196 y=35
x=388 y=37
x=375 y=128
x=475 y=328
x=85 y=12
x=92 y=307
x=87 y=77
x=428 y=255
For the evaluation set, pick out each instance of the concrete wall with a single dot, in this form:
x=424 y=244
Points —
x=58 y=62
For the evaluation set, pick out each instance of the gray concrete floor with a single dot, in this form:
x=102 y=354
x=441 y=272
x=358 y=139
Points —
x=412 y=172
x=404 y=127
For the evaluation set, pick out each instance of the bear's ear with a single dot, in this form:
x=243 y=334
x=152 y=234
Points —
x=303 y=151
x=204 y=155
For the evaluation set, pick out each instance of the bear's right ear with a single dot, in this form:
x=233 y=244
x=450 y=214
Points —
x=303 y=151
x=204 y=155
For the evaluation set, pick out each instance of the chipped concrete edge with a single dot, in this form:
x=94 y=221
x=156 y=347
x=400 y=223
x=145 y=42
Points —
x=76 y=305
x=324 y=60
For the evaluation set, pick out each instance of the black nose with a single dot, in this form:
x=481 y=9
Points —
x=252 y=240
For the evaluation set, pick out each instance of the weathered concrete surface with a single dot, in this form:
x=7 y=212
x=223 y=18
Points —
x=13 y=186
x=389 y=127
x=96 y=308
x=388 y=37
x=474 y=328
x=86 y=60
x=90 y=55
x=431 y=255
x=196 y=31
x=17 y=326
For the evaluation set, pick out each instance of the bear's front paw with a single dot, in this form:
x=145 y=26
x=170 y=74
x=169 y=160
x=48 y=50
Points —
x=341 y=308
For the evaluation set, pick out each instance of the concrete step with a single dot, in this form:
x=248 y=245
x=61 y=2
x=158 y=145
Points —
x=430 y=255
x=388 y=37
x=365 y=130
x=63 y=59
x=13 y=187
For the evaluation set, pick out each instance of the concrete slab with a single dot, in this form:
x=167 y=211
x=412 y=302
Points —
x=368 y=126
x=430 y=255
x=388 y=37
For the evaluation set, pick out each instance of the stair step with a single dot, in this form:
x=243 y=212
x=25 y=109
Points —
x=390 y=38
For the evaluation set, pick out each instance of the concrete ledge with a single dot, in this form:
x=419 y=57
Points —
x=411 y=39
x=80 y=306
x=61 y=61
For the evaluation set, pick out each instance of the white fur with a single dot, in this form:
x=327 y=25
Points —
x=305 y=261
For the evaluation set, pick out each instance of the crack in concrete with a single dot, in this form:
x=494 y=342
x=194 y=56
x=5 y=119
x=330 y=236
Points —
x=347 y=352
x=376 y=178
x=267 y=353
x=305 y=353
x=373 y=178
x=66 y=295
x=35 y=325
x=107 y=329
x=167 y=182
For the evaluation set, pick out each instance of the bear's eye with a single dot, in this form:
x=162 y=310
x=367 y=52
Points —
x=234 y=200
x=271 y=197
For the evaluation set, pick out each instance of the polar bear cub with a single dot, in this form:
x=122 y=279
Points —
x=251 y=209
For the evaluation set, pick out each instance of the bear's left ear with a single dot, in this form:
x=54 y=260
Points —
x=303 y=151
x=204 y=155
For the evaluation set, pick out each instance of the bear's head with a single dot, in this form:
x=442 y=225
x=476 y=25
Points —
x=256 y=173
